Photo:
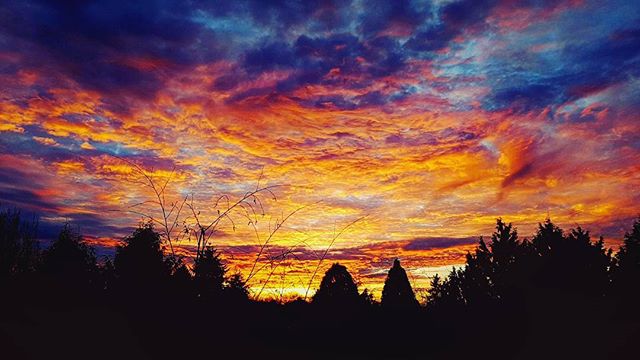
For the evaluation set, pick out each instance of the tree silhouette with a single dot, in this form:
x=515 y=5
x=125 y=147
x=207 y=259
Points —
x=337 y=288
x=397 y=292
x=488 y=274
x=567 y=263
x=366 y=297
x=547 y=237
x=209 y=273
x=447 y=292
x=70 y=260
x=513 y=296
x=507 y=270
x=181 y=280
x=18 y=245
x=476 y=284
x=506 y=252
x=626 y=272
x=236 y=290
x=139 y=263
x=587 y=263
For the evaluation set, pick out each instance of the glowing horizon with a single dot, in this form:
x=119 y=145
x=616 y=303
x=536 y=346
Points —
x=427 y=119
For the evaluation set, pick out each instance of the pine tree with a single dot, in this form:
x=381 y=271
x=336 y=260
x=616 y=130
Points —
x=506 y=250
x=236 y=289
x=209 y=273
x=397 y=292
x=626 y=273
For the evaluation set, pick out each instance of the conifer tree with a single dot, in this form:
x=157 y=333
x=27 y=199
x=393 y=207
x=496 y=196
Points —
x=209 y=273
x=70 y=260
x=397 y=292
x=139 y=263
x=626 y=273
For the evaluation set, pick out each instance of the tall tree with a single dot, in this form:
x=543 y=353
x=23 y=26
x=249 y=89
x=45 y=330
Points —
x=505 y=253
x=626 y=273
x=586 y=263
x=397 y=292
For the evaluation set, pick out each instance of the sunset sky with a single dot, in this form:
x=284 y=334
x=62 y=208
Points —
x=426 y=120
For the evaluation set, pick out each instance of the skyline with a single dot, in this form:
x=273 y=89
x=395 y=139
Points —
x=427 y=119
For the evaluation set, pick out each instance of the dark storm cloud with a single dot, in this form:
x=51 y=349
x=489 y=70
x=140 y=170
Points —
x=109 y=46
x=134 y=48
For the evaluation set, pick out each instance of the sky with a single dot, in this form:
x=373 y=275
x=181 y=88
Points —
x=391 y=128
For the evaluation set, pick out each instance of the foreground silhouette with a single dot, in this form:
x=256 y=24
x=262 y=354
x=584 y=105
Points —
x=559 y=294
x=397 y=292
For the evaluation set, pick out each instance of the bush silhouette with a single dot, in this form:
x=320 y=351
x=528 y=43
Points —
x=397 y=292
x=337 y=288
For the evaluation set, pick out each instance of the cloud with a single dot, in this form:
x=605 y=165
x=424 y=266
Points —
x=438 y=243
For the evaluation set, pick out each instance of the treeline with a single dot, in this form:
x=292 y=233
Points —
x=558 y=291
x=551 y=265
x=142 y=267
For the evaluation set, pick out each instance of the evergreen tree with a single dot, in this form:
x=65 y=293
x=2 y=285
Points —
x=236 y=289
x=367 y=298
x=209 y=273
x=447 y=292
x=70 y=260
x=397 y=292
x=586 y=264
x=546 y=238
x=507 y=270
x=475 y=280
x=626 y=273
x=569 y=263
x=140 y=264
x=505 y=253
x=181 y=280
